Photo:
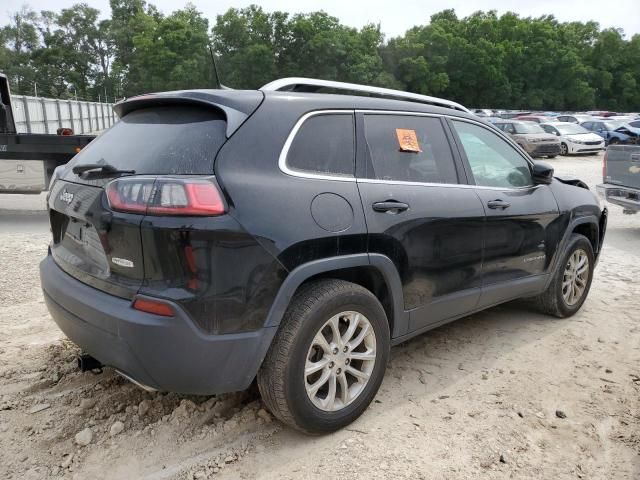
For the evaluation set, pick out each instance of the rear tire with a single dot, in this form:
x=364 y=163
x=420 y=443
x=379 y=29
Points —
x=564 y=149
x=572 y=280
x=288 y=379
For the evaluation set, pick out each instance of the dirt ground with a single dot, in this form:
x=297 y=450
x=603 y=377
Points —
x=507 y=393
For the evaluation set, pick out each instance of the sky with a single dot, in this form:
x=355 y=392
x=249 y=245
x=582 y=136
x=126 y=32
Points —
x=395 y=18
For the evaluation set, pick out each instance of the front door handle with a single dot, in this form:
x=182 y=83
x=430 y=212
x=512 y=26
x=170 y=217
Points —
x=495 y=204
x=390 y=206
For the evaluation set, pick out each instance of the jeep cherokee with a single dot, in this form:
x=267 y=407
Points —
x=214 y=236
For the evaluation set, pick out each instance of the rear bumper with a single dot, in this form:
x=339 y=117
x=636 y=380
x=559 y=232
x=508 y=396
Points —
x=627 y=198
x=169 y=354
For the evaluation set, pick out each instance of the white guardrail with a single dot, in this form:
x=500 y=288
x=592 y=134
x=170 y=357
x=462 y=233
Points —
x=46 y=115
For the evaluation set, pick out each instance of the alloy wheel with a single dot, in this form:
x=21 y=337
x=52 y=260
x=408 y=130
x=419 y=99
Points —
x=575 y=278
x=340 y=361
x=564 y=150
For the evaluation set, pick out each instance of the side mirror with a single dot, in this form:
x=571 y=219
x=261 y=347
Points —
x=542 y=173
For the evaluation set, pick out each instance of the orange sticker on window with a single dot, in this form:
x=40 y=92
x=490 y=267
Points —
x=408 y=140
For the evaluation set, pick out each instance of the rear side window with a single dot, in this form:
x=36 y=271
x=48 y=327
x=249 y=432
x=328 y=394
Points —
x=431 y=161
x=161 y=140
x=324 y=145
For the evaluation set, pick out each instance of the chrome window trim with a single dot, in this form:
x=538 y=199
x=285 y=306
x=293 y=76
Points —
x=444 y=185
x=282 y=159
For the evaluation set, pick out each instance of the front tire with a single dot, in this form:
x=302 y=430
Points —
x=572 y=280
x=328 y=359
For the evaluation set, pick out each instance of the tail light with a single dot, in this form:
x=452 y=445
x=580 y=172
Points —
x=166 y=196
x=604 y=166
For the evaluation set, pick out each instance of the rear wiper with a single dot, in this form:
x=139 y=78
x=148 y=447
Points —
x=95 y=169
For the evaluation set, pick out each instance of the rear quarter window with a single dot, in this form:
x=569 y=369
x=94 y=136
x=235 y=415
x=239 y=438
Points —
x=325 y=145
x=161 y=140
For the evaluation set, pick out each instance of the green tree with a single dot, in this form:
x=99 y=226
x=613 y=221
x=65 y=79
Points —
x=171 y=53
x=484 y=59
x=20 y=39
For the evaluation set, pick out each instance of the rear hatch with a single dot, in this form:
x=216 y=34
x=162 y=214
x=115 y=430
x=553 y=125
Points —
x=92 y=240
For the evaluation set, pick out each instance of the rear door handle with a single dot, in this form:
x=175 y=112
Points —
x=495 y=204
x=390 y=206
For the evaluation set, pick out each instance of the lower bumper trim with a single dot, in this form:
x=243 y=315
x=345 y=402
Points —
x=167 y=354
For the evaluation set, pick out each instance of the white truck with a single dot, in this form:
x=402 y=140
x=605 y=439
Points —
x=27 y=160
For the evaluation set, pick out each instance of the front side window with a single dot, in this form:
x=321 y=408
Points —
x=324 y=145
x=493 y=162
x=409 y=149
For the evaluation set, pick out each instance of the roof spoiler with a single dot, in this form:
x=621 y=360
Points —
x=237 y=105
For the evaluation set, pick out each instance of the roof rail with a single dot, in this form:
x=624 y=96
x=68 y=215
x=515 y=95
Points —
x=311 y=84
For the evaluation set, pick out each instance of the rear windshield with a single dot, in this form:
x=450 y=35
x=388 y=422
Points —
x=161 y=140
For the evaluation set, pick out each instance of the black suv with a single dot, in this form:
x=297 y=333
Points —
x=214 y=236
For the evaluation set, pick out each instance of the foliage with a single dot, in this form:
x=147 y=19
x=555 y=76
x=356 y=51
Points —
x=481 y=60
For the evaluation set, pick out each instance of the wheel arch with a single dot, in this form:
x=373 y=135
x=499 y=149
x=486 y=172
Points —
x=589 y=227
x=375 y=272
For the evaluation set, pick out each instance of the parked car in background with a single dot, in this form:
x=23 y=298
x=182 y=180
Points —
x=512 y=114
x=620 y=118
x=621 y=177
x=574 y=118
x=493 y=119
x=602 y=113
x=535 y=118
x=613 y=131
x=483 y=112
x=574 y=138
x=531 y=137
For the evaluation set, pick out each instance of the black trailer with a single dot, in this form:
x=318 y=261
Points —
x=27 y=160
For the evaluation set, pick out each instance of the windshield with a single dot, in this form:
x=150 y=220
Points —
x=572 y=129
x=613 y=124
x=528 y=128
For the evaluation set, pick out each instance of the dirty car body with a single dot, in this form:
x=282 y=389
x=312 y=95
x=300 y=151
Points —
x=179 y=269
